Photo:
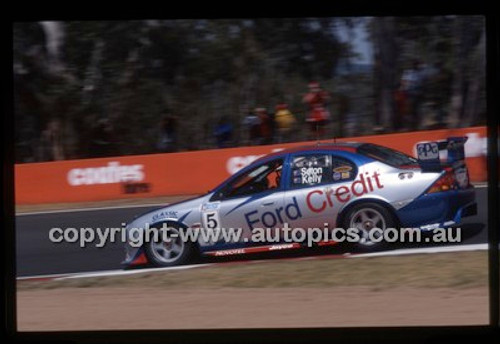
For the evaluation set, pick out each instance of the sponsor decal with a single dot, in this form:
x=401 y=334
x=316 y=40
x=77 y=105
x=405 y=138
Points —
x=112 y=173
x=254 y=249
x=316 y=200
x=311 y=175
x=342 y=169
x=281 y=247
x=165 y=214
x=229 y=252
x=428 y=151
x=131 y=188
x=271 y=218
x=210 y=206
x=319 y=200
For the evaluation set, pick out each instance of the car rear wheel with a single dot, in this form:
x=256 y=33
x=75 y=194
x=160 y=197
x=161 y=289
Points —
x=169 y=249
x=371 y=220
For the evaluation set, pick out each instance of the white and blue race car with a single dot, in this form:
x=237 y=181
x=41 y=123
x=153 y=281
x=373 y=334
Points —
x=348 y=185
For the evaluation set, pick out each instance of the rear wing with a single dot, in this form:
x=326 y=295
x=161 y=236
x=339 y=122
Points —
x=429 y=157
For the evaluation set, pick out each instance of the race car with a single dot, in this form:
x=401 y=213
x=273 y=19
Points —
x=327 y=185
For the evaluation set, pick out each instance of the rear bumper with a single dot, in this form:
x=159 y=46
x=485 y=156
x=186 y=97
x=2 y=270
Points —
x=440 y=209
x=468 y=210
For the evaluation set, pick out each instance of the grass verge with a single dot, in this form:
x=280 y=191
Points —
x=441 y=270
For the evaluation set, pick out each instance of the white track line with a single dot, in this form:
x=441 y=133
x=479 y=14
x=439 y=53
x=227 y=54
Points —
x=131 y=272
x=108 y=273
x=441 y=249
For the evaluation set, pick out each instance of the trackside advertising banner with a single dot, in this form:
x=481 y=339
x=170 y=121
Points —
x=192 y=172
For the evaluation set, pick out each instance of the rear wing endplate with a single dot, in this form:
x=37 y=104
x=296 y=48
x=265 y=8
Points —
x=429 y=157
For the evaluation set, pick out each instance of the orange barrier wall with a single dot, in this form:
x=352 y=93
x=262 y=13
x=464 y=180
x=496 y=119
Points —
x=190 y=172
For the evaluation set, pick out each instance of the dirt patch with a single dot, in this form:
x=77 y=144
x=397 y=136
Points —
x=156 y=308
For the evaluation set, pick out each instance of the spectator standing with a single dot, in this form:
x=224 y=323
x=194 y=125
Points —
x=412 y=80
x=402 y=106
x=44 y=148
x=51 y=142
x=439 y=94
x=318 y=116
x=344 y=109
x=167 y=141
x=272 y=125
x=252 y=123
x=101 y=144
x=223 y=133
x=266 y=126
x=285 y=122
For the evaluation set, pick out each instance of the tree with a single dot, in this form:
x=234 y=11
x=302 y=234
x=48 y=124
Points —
x=385 y=60
x=132 y=73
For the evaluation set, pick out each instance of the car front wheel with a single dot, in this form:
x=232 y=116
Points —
x=169 y=249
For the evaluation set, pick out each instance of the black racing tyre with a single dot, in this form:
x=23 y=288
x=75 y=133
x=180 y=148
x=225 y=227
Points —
x=369 y=217
x=171 y=252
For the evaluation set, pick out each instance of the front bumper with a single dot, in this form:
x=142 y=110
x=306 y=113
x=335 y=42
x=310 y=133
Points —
x=134 y=257
x=440 y=209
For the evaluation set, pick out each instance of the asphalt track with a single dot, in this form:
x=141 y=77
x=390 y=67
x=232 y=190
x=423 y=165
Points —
x=37 y=255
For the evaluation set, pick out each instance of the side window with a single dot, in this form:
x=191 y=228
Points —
x=310 y=170
x=342 y=170
x=264 y=177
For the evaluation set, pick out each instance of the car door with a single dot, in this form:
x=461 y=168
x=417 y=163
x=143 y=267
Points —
x=344 y=173
x=252 y=199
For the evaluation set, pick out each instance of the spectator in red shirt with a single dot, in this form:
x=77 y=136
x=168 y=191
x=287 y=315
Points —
x=266 y=125
x=402 y=106
x=318 y=116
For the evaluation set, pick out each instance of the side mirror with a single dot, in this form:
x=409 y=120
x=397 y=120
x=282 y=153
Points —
x=219 y=195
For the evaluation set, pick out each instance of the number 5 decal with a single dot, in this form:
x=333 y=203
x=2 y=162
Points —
x=211 y=219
